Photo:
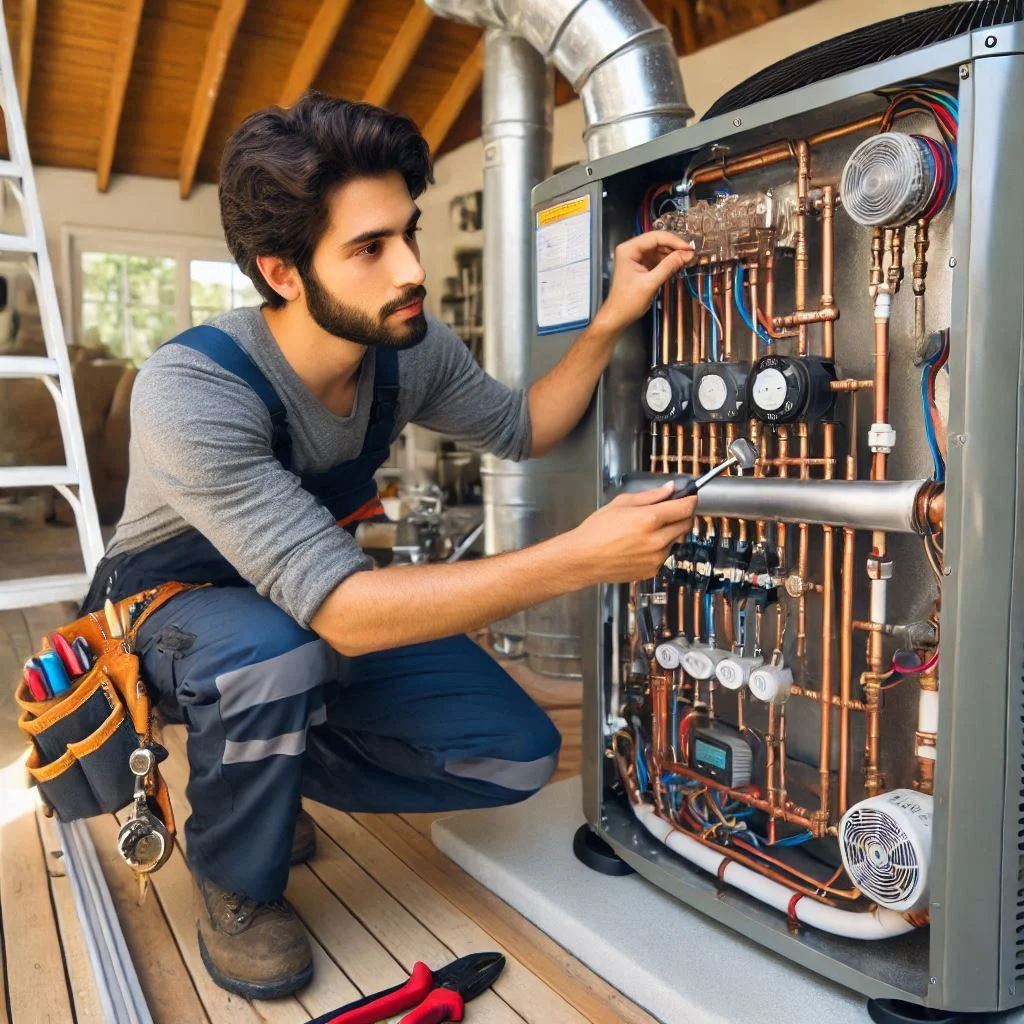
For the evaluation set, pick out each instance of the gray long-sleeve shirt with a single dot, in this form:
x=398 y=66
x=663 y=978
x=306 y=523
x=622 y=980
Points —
x=200 y=453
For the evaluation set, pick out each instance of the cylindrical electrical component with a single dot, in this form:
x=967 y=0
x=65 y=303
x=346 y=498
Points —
x=885 y=843
x=669 y=654
x=734 y=672
x=771 y=683
x=700 y=660
x=888 y=180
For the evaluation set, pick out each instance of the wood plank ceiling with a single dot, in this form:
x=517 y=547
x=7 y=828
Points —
x=154 y=87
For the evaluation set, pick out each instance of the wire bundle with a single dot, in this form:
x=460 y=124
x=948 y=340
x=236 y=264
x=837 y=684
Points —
x=938 y=101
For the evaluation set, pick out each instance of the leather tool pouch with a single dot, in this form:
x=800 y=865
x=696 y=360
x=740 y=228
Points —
x=82 y=738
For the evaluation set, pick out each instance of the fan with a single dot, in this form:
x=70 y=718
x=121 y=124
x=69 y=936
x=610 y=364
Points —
x=886 y=846
x=888 y=179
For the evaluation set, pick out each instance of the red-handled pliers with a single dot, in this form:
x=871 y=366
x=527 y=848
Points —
x=433 y=996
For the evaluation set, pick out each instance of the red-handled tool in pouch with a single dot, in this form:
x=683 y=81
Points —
x=433 y=996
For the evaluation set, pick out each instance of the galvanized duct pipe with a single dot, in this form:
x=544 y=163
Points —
x=619 y=58
x=623 y=65
x=518 y=111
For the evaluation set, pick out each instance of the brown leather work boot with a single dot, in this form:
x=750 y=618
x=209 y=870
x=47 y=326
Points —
x=303 y=839
x=257 y=950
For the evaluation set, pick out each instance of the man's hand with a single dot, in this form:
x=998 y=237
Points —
x=630 y=537
x=642 y=265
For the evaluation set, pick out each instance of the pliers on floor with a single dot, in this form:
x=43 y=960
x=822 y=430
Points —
x=433 y=996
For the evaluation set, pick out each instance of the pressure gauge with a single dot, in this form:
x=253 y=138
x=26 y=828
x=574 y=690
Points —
x=721 y=392
x=667 y=394
x=784 y=389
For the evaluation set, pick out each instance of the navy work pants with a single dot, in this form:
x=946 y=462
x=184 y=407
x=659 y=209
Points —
x=273 y=713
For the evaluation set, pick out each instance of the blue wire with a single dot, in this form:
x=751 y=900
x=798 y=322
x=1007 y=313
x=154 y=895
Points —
x=929 y=429
x=708 y=613
x=710 y=306
x=740 y=301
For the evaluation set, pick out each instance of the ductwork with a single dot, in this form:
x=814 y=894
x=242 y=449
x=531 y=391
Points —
x=618 y=57
x=623 y=65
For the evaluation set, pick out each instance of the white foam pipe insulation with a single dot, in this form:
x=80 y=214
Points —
x=877 y=923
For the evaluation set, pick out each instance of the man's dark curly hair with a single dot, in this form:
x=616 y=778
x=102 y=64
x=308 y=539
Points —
x=281 y=166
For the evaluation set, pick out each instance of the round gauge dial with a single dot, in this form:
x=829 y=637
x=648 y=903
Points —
x=770 y=390
x=667 y=394
x=659 y=394
x=712 y=392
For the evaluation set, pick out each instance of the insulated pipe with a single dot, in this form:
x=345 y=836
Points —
x=518 y=108
x=889 y=505
x=620 y=60
x=877 y=923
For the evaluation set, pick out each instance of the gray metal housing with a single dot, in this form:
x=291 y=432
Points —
x=972 y=957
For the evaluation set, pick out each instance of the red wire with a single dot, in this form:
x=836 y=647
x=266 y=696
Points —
x=926 y=667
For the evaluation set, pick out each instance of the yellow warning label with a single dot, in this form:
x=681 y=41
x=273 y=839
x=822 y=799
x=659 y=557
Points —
x=563 y=210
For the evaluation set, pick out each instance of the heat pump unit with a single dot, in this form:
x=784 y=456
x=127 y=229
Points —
x=810 y=724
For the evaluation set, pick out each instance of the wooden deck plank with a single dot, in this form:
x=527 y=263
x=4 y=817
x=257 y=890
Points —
x=598 y=1001
x=165 y=982
x=37 y=986
x=84 y=991
x=519 y=987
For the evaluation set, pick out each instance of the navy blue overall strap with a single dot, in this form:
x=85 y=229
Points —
x=219 y=346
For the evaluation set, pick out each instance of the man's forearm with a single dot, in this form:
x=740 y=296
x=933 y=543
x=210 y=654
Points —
x=373 y=611
x=559 y=399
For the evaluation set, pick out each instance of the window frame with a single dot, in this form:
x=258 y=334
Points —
x=77 y=239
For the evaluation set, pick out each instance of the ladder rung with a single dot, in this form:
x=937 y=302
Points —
x=27 y=366
x=42 y=590
x=17 y=243
x=37 y=476
x=9 y=169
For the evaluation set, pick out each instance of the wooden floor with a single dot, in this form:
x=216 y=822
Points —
x=376 y=898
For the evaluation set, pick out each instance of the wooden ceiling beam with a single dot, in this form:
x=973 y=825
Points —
x=315 y=47
x=218 y=49
x=123 y=57
x=26 y=44
x=400 y=53
x=466 y=80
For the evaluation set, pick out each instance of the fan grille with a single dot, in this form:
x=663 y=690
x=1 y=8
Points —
x=880 y=857
x=866 y=46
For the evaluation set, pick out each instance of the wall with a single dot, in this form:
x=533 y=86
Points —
x=707 y=74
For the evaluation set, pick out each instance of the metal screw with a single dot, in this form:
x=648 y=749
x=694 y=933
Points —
x=960 y=439
x=947 y=571
x=990 y=41
x=933 y=981
x=737 y=121
x=952 y=261
x=590 y=172
x=965 y=72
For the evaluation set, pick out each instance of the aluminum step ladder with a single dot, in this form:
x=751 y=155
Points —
x=54 y=370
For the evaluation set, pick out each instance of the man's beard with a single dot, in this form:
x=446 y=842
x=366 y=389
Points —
x=354 y=325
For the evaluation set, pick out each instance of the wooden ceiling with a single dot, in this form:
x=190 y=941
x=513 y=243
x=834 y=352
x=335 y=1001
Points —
x=154 y=87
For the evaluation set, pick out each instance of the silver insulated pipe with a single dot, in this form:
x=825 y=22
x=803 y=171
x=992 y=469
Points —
x=623 y=65
x=619 y=58
x=518 y=110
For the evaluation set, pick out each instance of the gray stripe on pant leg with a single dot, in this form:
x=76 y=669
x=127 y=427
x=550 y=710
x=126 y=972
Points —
x=519 y=775
x=288 y=675
x=290 y=743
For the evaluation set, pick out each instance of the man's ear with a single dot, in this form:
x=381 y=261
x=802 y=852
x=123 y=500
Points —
x=281 y=276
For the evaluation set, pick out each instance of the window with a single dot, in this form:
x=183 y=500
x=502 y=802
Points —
x=128 y=292
x=217 y=286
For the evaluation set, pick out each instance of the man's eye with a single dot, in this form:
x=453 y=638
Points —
x=370 y=250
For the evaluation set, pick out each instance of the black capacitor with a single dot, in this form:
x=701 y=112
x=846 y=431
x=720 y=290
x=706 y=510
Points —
x=668 y=392
x=784 y=389
x=720 y=392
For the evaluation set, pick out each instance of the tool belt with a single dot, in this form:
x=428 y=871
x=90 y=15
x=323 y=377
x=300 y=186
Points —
x=91 y=734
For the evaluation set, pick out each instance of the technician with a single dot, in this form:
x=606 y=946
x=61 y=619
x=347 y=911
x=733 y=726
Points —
x=254 y=444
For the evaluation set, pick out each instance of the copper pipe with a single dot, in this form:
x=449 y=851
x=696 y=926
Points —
x=680 y=357
x=852 y=385
x=681 y=611
x=755 y=340
x=659 y=706
x=871 y=121
x=803 y=541
x=654 y=447
x=797 y=461
x=924 y=781
x=836 y=702
x=921 y=243
x=787 y=814
x=780 y=530
x=727 y=303
x=782 y=754
x=845 y=667
x=801 y=319
x=769 y=767
x=896 y=264
x=877 y=275
x=828 y=206
x=803 y=184
x=665 y=321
